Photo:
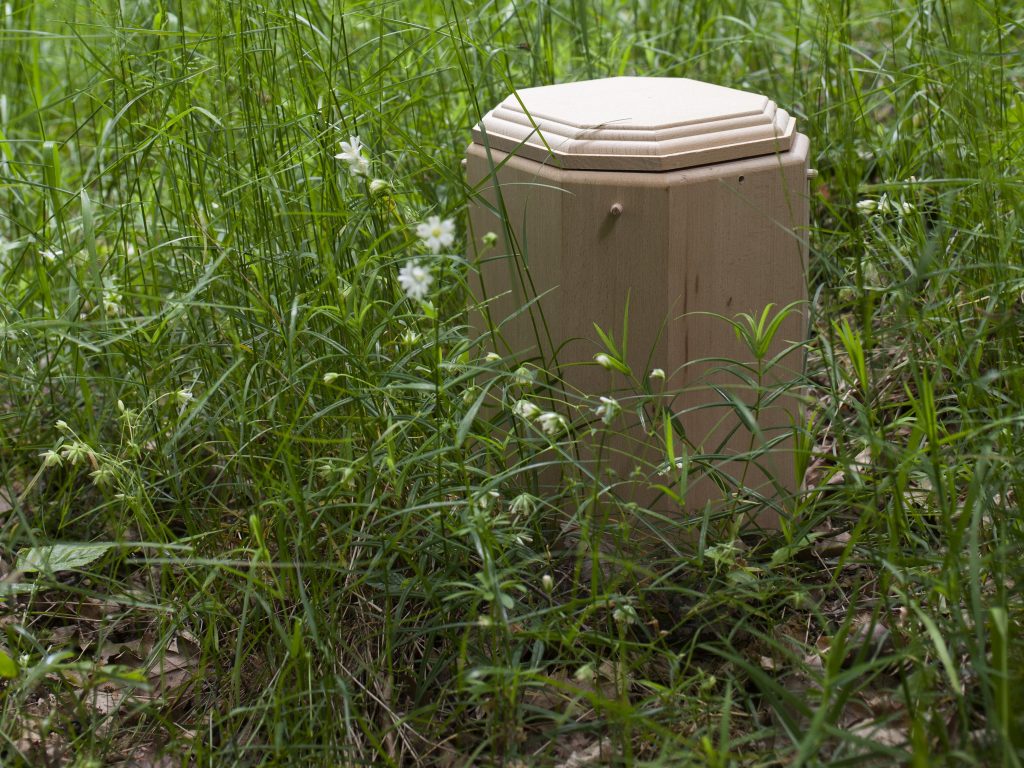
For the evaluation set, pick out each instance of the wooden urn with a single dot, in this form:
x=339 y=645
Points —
x=659 y=210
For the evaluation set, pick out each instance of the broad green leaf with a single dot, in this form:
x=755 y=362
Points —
x=60 y=557
x=8 y=666
x=786 y=552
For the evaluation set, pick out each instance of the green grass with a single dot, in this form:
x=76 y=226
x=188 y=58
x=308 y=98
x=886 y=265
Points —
x=290 y=471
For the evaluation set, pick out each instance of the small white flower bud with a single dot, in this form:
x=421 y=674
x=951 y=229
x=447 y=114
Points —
x=608 y=409
x=330 y=376
x=524 y=377
x=76 y=453
x=552 y=423
x=51 y=459
x=584 y=674
x=625 y=614
x=525 y=409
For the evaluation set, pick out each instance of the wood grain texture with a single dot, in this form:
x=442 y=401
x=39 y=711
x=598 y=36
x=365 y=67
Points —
x=635 y=124
x=723 y=239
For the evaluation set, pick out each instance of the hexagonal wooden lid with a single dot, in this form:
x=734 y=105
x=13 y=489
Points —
x=636 y=124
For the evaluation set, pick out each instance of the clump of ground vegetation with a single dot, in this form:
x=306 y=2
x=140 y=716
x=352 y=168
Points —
x=265 y=501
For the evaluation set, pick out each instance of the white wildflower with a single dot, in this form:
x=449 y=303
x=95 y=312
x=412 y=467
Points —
x=867 y=206
x=625 y=614
x=75 y=453
x=486 y=500
x=436 y=233
x=608 y=409
x=489 y=240
x=183 y=396
x=524 y=377
x=585 y=673
x=907 y=208
x=611 y=363
x=112 y=298
x=50 y=459
x=379 y=187
x=415 y=279
x=126 y=414
x=525 y=409
x=492 y=357
x=330 y=376
x=524 y=504
x=352 y=154
x=103 y=477
x=552 y=423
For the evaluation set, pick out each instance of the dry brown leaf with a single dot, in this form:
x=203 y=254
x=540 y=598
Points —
x=148 y=758
x=885 y=734
x=548 y=697
x=865 y=632
x=600 y=752
x=6 y=501
x=832 y=546
x=171 y=673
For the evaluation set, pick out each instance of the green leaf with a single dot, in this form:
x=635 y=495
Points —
x=467 y=421
x=742 y=411
x=8 y=666
x=60 y=557
x=941 y=649
x=786 y=552
x=8 y=588
x=608 y=341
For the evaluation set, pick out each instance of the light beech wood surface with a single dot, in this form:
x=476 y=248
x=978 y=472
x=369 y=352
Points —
x=635 y=123
x=576 y=247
